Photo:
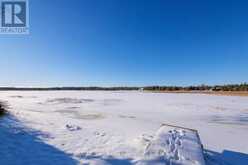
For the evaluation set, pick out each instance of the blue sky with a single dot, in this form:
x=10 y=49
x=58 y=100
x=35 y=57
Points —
x=128 y=42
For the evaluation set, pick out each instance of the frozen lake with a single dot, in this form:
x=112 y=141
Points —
x=115 y=123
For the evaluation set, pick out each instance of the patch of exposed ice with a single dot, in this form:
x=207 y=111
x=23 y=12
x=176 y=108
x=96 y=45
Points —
x=67 y=100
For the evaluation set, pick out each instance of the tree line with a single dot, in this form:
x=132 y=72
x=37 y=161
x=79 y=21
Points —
x=69 y=88
x=228 y=87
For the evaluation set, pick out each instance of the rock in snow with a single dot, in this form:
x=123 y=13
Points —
x=71 y=127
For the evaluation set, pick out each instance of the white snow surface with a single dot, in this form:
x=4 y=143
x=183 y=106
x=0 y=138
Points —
x=120 y=127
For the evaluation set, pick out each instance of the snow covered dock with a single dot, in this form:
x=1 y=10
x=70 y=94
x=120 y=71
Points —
x=174 y=145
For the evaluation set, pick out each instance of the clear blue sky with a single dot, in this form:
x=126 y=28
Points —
x=128 y=42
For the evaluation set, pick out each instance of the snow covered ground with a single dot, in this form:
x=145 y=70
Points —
x=113 y=127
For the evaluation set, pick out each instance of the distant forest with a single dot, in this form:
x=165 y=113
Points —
x=70 y=88
x=228 y=87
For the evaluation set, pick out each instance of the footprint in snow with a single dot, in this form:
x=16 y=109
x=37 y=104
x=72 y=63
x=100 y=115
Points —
x=73 y=127
x=96 y=133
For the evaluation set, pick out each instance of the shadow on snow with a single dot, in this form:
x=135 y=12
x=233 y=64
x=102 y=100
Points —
x=226 y=158
x=21 y=146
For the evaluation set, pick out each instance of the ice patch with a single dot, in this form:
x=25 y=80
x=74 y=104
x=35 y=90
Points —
x=241 y=119
x=81 y=114
x=107 y=102
x=67 y=101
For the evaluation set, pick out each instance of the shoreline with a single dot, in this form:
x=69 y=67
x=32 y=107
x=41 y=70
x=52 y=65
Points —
x=218 y=93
